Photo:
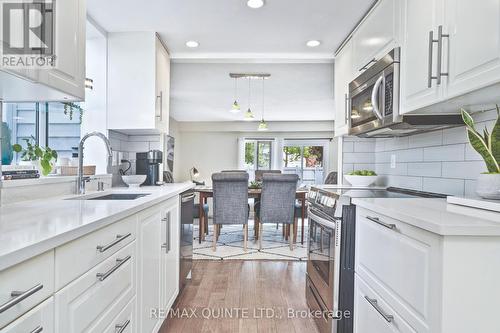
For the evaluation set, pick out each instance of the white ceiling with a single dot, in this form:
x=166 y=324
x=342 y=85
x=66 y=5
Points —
x=230 y=29
x=294 y=92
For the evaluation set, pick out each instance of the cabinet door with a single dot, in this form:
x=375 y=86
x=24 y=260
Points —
x=162 y=87
x=170 y=258
x=39 y=319
x=343 y=73
x=69 y=74
x=149 y=269
x=419 y=19
x=474 y=44
x=376 y=35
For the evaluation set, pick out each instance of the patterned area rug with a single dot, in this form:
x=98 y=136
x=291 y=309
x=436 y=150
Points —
x=230 y=244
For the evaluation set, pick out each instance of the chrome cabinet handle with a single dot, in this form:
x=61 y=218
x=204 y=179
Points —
x=346 y=109
x=188 y=198
x=430 y=77
x=376 y=109
x=119 y=262
x=37 y=330
x=119 y=328
x=373 y=302
x=160 y=96
x=440 y=54
x=18 y=296
x=368 y=64
x=168 y=232
x=118 y=239
x=378 y=221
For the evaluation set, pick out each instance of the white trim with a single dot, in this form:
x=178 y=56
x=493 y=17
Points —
x=258 y=58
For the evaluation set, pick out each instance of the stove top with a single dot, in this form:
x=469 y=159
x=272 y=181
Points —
x=390 y=192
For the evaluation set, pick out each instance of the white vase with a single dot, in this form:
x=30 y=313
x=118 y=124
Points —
x=488 y=186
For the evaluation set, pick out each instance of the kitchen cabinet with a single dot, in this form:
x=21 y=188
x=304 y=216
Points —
x=343 y=73
x=376 y=35
x=138 y=83
x=169 y=275
x=66 y=81
x=39 y=319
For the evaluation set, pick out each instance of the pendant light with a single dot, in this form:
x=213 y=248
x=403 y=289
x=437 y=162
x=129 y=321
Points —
x=262 y=124
x=249 y=114
x=235 y=108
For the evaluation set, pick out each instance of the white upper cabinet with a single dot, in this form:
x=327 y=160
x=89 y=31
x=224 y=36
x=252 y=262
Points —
x=66 y=81
x=138 y=83
x=473 y=44
x=343 y=73
x=419 y=63
x=377 y=35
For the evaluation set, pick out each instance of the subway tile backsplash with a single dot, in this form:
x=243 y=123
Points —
x=440 y=161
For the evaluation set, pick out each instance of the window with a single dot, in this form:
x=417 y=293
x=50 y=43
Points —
x=258 y=155
x=47 y=124
x=306 y=159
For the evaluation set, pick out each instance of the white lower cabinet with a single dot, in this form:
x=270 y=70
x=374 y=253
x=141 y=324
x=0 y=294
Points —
x=125 y=322
x=85 y=304
x=39 y=319
x=169 y=275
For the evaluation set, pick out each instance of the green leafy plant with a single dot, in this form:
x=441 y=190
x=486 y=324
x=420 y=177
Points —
x=488 y=144
x=255 y=185
x=362 y=173
x=34 y=152
x=70 y=108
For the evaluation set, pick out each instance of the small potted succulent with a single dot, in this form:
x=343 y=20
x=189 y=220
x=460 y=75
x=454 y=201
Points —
x=488 y=146
x=361 y=178
x=41 y=158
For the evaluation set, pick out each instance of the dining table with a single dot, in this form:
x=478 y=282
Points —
x=206 y=192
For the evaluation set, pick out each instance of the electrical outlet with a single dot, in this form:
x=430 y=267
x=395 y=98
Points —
x=393 y=161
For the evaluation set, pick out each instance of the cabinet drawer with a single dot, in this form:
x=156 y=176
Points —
x=39 y=319
x=32 y=281
x=373 y=314
x=400 y=262
x=92 y=249
x=108 y=285
x=125 y=321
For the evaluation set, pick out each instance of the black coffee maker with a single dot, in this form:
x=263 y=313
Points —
x=148 y=164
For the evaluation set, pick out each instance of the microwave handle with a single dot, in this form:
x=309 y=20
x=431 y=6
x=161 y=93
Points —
x=376 y=87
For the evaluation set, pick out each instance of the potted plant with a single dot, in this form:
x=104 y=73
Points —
x=488 y=146
x=42 y=158
x=361 y=178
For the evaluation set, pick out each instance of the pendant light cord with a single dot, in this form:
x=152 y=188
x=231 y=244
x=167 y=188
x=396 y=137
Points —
x=249 y=94
x=263 y=109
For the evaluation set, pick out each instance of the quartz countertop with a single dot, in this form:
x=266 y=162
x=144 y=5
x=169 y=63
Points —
x=436 y=215
x=30 y=228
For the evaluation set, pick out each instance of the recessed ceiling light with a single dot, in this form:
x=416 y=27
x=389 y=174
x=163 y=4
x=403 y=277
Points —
x=255 y=3
x=313 y=43
x=192 y=44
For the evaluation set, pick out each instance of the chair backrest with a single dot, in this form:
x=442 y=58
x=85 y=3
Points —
x=260 y=173
x=233 y=171
x=278 y=198
x=230 y=197
x=331 y=178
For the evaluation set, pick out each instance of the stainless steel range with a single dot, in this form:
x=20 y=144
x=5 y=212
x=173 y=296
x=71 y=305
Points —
x=331 y=239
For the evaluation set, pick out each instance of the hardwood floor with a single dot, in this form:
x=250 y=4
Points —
x=232 y=296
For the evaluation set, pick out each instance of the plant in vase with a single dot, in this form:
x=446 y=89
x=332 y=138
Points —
x=488 y=146
x=42 y=158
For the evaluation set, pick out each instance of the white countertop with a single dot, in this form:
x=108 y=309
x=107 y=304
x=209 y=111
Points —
x=436 y=216
x=30 y=228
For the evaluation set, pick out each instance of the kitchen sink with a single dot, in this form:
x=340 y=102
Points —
x=114 y=196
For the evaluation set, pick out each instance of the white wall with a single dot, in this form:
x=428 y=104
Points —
x=212 y=147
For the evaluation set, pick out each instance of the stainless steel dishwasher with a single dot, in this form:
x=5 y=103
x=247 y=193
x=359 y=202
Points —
x=186 y=237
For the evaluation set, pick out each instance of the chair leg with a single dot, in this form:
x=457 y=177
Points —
x=291 y=238
x=256 y=228
x=295 y=225
x=260 y=236
x=277 y=226
x=215 y=238
x=245 y=237
x=287 y=231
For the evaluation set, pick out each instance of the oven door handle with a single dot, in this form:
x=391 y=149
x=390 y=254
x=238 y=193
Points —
x=376 y=109
x=324 y=222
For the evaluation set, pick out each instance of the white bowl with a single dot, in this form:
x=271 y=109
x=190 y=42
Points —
x=134 y=180
x=361 y=181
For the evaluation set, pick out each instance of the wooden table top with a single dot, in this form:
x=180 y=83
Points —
x=207 y=189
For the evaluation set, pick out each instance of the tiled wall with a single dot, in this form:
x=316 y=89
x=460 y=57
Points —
x=440 y=161
x=128 y=146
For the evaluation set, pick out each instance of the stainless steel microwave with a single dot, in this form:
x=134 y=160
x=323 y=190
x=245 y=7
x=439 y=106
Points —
x=374 y=95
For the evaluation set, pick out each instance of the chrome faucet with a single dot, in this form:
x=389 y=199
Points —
x=82 y=180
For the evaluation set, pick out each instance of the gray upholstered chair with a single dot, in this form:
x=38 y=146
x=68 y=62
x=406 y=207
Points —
x=260 y=173
x=230 y=202
x=277 y=202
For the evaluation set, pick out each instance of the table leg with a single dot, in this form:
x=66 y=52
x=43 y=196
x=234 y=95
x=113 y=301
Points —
x=303 y=217
x=201 y=224
x=205 y=219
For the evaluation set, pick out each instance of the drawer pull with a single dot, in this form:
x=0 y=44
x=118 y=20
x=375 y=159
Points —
x=18 y=296
x=37 y=330
x=119 y=262
x=119 y=328
x=118 y=239
x=378 y=221
x=373 y=302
